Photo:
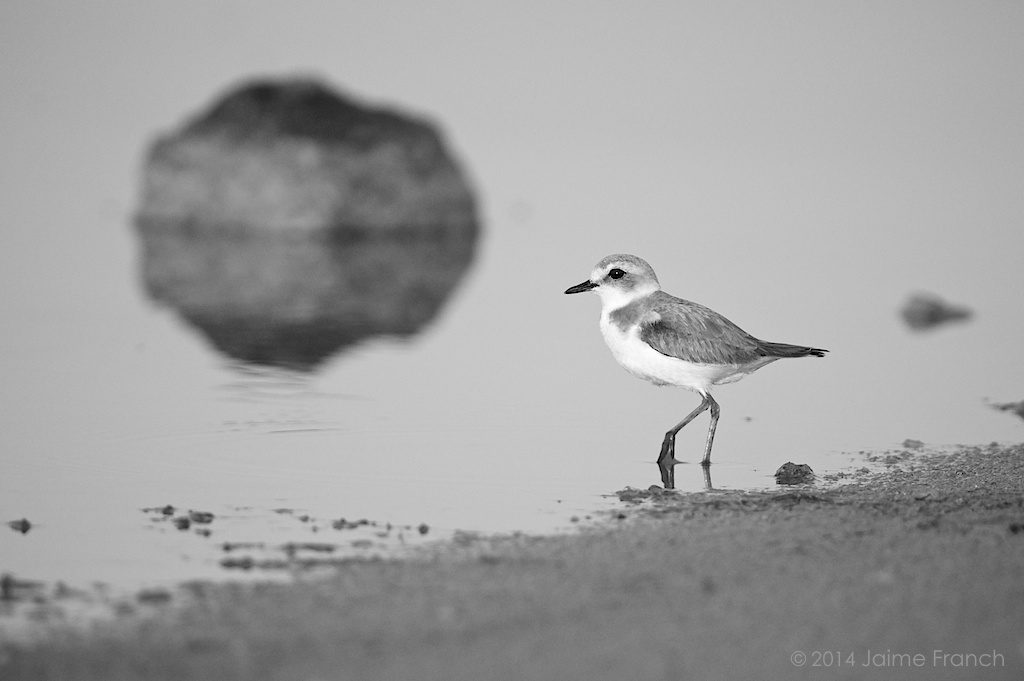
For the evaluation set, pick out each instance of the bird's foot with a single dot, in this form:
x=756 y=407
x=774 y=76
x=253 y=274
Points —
x=668 y=474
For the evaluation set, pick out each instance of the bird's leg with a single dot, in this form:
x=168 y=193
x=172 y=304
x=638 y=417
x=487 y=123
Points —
x=668 y=446
x=715 y=411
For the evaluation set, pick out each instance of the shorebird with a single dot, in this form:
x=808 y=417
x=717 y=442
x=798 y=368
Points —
x=671 y=341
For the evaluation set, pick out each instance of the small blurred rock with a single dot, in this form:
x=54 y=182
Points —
x=791 y=473
x=1012 y=407
x=911 y=443
x=925 y=311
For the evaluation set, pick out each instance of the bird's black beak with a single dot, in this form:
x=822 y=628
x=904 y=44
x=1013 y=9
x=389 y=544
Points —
x=580 y=288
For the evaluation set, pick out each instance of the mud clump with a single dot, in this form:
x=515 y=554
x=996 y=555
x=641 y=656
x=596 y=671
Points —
x=14 y=589
x=632 y=495
x=342 y=524
x=228 y=547
x=183 y=521
x=166 y=510
x=291 y=549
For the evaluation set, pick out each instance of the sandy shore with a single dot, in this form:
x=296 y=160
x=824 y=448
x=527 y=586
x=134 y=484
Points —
x=916 y=572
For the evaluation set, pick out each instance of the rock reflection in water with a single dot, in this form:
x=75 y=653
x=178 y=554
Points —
x=294 y=300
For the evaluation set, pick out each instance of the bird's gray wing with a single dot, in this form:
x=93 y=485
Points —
x=692 y=332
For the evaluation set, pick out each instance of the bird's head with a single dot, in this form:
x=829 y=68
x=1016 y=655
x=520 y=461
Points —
x=619 y=280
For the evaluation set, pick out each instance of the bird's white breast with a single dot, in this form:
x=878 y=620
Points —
x=643 y=361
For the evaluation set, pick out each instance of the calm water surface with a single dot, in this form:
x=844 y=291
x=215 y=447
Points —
x=486 y=420
x=806 y=209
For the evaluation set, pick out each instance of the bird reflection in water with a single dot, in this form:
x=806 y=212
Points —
x=668 y=474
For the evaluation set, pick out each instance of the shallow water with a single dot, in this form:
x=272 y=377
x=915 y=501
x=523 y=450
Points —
x=505 y=412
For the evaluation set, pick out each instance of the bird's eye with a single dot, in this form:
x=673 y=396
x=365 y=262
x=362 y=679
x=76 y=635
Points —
x=616 y=273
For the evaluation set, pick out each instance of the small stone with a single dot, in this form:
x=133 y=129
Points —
x=245 y=563
x=791 y=473
x=153 y=596
x=201 y=517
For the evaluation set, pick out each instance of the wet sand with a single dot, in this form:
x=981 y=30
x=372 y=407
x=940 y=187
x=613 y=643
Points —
x=913 y=572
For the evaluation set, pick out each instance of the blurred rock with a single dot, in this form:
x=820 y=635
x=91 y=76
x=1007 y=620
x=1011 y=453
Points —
x=925 y=311
x=287 y=223
x=293 y=155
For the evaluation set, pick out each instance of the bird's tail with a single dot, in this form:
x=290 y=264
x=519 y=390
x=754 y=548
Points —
x=769 y=349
